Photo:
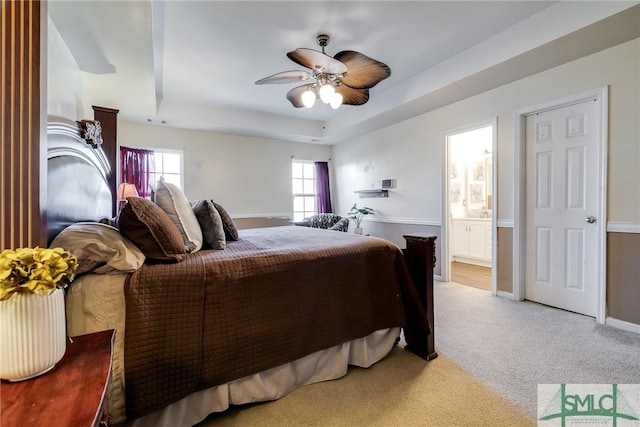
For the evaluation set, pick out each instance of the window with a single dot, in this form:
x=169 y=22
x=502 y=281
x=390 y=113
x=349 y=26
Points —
x=303 y=189
x=168 y=164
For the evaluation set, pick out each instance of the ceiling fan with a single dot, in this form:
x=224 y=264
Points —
x=343 y=79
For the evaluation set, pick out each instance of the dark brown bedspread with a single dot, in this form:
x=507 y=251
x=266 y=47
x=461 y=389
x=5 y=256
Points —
x=274 y=296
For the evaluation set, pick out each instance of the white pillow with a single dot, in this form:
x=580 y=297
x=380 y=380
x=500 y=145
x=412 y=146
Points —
x=173 y=201
x=99 y=245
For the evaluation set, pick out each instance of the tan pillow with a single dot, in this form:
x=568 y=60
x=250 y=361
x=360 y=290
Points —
x=151 y=230
x=230 y=230
x=100 y=248
x=173 y=201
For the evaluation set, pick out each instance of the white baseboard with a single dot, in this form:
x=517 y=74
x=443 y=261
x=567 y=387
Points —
x=507 y=295
x=438 y=278
x=472 y=261
x=621 y=324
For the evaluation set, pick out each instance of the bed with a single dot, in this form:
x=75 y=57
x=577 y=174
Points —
x=275 y=309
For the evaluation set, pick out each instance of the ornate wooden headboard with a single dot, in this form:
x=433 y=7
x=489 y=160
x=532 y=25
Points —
x=77 y=175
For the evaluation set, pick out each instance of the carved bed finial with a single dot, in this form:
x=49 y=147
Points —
x=91 y=131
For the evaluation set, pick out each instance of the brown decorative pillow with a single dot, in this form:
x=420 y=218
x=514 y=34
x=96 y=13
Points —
x=230 y=230
x=151 y=230
x=210 y=223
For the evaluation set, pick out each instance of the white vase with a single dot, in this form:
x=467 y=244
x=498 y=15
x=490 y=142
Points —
x=33 y=335
x=358 y=230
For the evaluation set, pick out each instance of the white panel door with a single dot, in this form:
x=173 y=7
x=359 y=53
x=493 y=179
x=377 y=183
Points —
x=562 y=159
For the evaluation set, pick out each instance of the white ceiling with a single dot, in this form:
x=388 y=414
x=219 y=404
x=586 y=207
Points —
x=193 y=64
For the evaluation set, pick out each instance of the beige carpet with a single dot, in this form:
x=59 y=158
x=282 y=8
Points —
x=401 y=390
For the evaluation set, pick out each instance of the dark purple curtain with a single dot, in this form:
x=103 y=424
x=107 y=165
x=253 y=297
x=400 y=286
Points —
x=136 y=166
x=323 y=193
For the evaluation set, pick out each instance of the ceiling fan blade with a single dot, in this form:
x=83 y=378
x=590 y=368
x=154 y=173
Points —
x=286 y=77
x=364 y=72
x=295 y=95
x=317 y=60
x=351 y=96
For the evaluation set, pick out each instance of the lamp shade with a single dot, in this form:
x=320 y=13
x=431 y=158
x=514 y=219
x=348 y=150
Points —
x=126 y=190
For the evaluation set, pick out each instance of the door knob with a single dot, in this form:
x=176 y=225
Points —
x=591 y=219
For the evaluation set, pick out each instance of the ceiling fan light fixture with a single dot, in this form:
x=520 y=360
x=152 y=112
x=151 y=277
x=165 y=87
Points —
x=336 y=100
x=326 y=92
x=351 y=73
x=308 y=98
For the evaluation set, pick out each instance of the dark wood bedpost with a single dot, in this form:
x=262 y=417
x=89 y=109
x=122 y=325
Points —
x=421 y=259
x=108 y=118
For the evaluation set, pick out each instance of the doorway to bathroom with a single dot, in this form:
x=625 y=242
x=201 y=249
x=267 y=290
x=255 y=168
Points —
x=469 y=230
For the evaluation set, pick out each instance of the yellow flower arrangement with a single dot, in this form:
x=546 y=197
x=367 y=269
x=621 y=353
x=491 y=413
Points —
x=35 y=270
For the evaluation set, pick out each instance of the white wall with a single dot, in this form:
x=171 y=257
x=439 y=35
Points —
x=411 y=152
x=64 y=87
x=248 y=176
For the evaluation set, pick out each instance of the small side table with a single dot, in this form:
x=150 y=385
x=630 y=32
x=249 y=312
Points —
x=72 y=394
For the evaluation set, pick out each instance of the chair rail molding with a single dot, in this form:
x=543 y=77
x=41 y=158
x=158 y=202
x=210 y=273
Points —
x=623 y=227
x=505 y=223
x=283 y=215
x=435 y=222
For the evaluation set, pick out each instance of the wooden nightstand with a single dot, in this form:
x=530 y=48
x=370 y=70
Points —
x=72 y=394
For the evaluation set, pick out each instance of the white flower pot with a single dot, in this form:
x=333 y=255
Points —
x=33 y=337
x=358 y=230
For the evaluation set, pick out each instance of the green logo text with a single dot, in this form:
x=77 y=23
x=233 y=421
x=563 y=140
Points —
x=612 y=405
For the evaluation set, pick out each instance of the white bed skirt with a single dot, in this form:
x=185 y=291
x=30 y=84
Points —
x=274 y=383
x=96 y=302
